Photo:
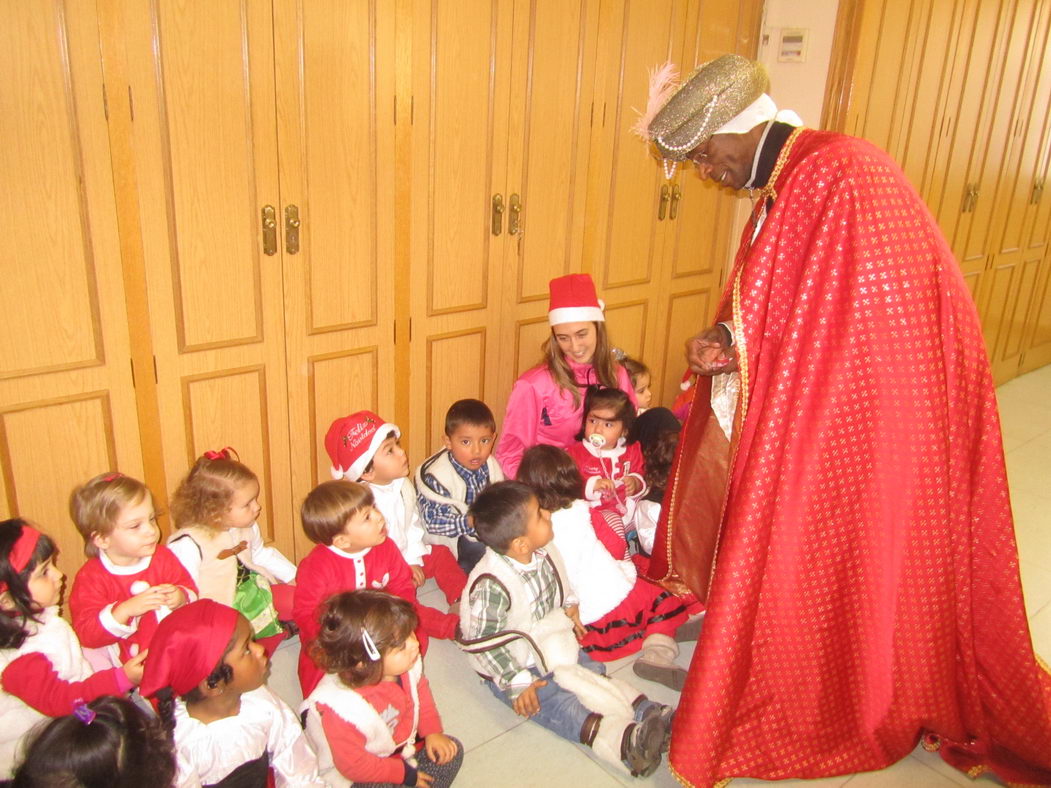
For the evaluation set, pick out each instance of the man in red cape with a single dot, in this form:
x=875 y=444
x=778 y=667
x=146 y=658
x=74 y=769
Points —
x=839 y=498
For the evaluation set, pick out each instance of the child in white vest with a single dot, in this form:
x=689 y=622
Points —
x=42 y=669
x=372 y=718
x=364 y=448
x=214 y=510
x=449 y=480
x=513 y=593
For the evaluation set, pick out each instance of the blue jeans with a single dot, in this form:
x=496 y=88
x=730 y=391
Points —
x=560 y=711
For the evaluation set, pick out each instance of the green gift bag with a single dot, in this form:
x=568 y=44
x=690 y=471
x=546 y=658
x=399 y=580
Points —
x=255 y=601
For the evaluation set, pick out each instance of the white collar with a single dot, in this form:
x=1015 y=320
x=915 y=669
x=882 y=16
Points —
x=392 y=488
x=344 y=554
x=532 y=566
x=115 y=569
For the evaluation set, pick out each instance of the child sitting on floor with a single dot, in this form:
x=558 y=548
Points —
x=131 y=581
x=352 y=551
x=209 y=677
x=448 y=481
x=518 y=590
x=107 y=743
x=365 y=448
x=657 y=434
x=42 y=670
x=621 y=612
x=215 y=509
x=372 y=719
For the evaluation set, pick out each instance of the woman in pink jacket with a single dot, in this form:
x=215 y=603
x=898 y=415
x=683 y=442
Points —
x=547 y=401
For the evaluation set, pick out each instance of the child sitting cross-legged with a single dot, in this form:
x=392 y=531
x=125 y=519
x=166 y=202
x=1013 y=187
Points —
x=519 y=619
x=372 y=719
x=352 y=551
x=43 y=672
x=448 y=481
x=208 y=675
x=364 y=448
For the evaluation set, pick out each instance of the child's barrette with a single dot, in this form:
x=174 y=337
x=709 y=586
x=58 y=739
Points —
x=225 y=453
x=618 y=354
x=112 y=477
x=82 y=712
x=370 y=645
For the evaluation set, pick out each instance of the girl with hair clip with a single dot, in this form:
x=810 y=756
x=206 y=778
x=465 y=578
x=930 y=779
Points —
x=622 y=613
x=613 y=469
x=209 y=678
x=656 y=432
x=108 y=743
x=42 y=668
x=372 y=717
x=546 y=403
x=214 y=510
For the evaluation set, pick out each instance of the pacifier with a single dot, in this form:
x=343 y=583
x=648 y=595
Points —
x=596 y=440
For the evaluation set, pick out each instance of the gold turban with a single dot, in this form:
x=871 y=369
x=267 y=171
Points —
x=713 y=94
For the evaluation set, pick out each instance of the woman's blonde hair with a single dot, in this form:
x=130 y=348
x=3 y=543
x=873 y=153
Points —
x=96 y=505
x=204 y=495
x=604 y=364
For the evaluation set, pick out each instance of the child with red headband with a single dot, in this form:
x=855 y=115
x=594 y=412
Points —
x=372 y=718
x=42 y=669
x=209 y=678
x=130 y=581
x=218 y=541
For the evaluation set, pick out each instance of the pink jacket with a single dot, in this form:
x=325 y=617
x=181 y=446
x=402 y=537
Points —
x=538 y=411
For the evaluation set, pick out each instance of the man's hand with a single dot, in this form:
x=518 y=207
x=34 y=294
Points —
x=527 y=704
x=417 y=575
x=709 y=354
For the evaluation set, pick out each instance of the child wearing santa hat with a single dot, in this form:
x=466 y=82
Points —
x=366 y=449
x=208 y=675
x=547 y=401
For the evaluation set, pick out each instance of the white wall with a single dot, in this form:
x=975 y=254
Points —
x=799 y=86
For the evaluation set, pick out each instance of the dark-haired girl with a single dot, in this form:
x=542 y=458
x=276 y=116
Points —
x=372 y=717
x=42 y=668
x=108 y=743
x=209 y=678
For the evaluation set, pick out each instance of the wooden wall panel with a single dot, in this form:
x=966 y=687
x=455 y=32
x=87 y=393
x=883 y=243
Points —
x=684 y=310
x=43 y=206
x=1037 y=347
x=76 y=436
x=455 y=370
x=530 y=335
x=340 y=384
x=626 y=325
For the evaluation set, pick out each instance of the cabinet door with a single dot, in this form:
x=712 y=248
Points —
x=67 y=406
x=551 y=113
x=202 y=78
x=461 y=66
x=335 y=101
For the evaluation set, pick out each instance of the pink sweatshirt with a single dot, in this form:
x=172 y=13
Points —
x=538 y=411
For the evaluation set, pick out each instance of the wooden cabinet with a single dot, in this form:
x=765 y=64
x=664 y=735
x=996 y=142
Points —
x=67 y=398
x=263 y=145
x=958 y=92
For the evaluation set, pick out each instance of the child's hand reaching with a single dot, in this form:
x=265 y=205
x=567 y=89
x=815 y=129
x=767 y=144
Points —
x=573 y=611
x=604 y=486
x=417 y=575
x=424 y=780
x=632 y=485
x=440 y=748
x=174 y=596
x=133 y=667
x=140 y=604
x=527 y=704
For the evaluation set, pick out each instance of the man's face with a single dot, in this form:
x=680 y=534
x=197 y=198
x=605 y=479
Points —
x=725 y=159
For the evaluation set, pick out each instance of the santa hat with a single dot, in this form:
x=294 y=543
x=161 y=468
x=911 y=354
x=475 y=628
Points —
x=186 y=647
x=573 y=300
x=353 y=441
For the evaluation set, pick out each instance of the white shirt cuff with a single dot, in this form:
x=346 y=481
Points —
x=114 y=627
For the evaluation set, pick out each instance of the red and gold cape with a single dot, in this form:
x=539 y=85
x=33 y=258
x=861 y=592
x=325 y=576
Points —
x=853 y=539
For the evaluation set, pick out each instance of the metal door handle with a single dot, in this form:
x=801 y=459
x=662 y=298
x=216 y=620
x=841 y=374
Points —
x=662 y=208
x=291 y=229
x=498 y=213
x=676 y=195
x=269 y=230
x=514 y=215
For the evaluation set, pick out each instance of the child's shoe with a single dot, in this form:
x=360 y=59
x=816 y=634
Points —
x=691 y=630
x=640 y=746
x=657 y=662
x=666 y=715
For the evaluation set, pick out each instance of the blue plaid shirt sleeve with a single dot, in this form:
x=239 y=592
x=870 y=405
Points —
x=445 y=519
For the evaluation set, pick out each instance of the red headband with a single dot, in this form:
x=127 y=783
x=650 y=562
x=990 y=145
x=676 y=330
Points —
x=22 y=551
x=225 y=453
x=187 y=646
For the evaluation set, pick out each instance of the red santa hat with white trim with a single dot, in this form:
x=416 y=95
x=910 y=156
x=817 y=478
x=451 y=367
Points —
x=573 y=300
x=353 y=441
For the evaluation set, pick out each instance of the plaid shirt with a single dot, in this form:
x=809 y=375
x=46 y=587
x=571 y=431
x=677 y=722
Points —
x=489 y=605
x=444 y=519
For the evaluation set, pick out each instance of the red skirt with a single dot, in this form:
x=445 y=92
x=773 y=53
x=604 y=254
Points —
x=647 y=610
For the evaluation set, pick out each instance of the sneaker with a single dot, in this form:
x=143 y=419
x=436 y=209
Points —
x=691 y=630
x=640 y=748
x=666 y=714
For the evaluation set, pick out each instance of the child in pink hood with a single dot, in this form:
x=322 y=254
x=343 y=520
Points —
x=547 y=401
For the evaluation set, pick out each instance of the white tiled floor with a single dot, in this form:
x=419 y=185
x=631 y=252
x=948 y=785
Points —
x=504 y=751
